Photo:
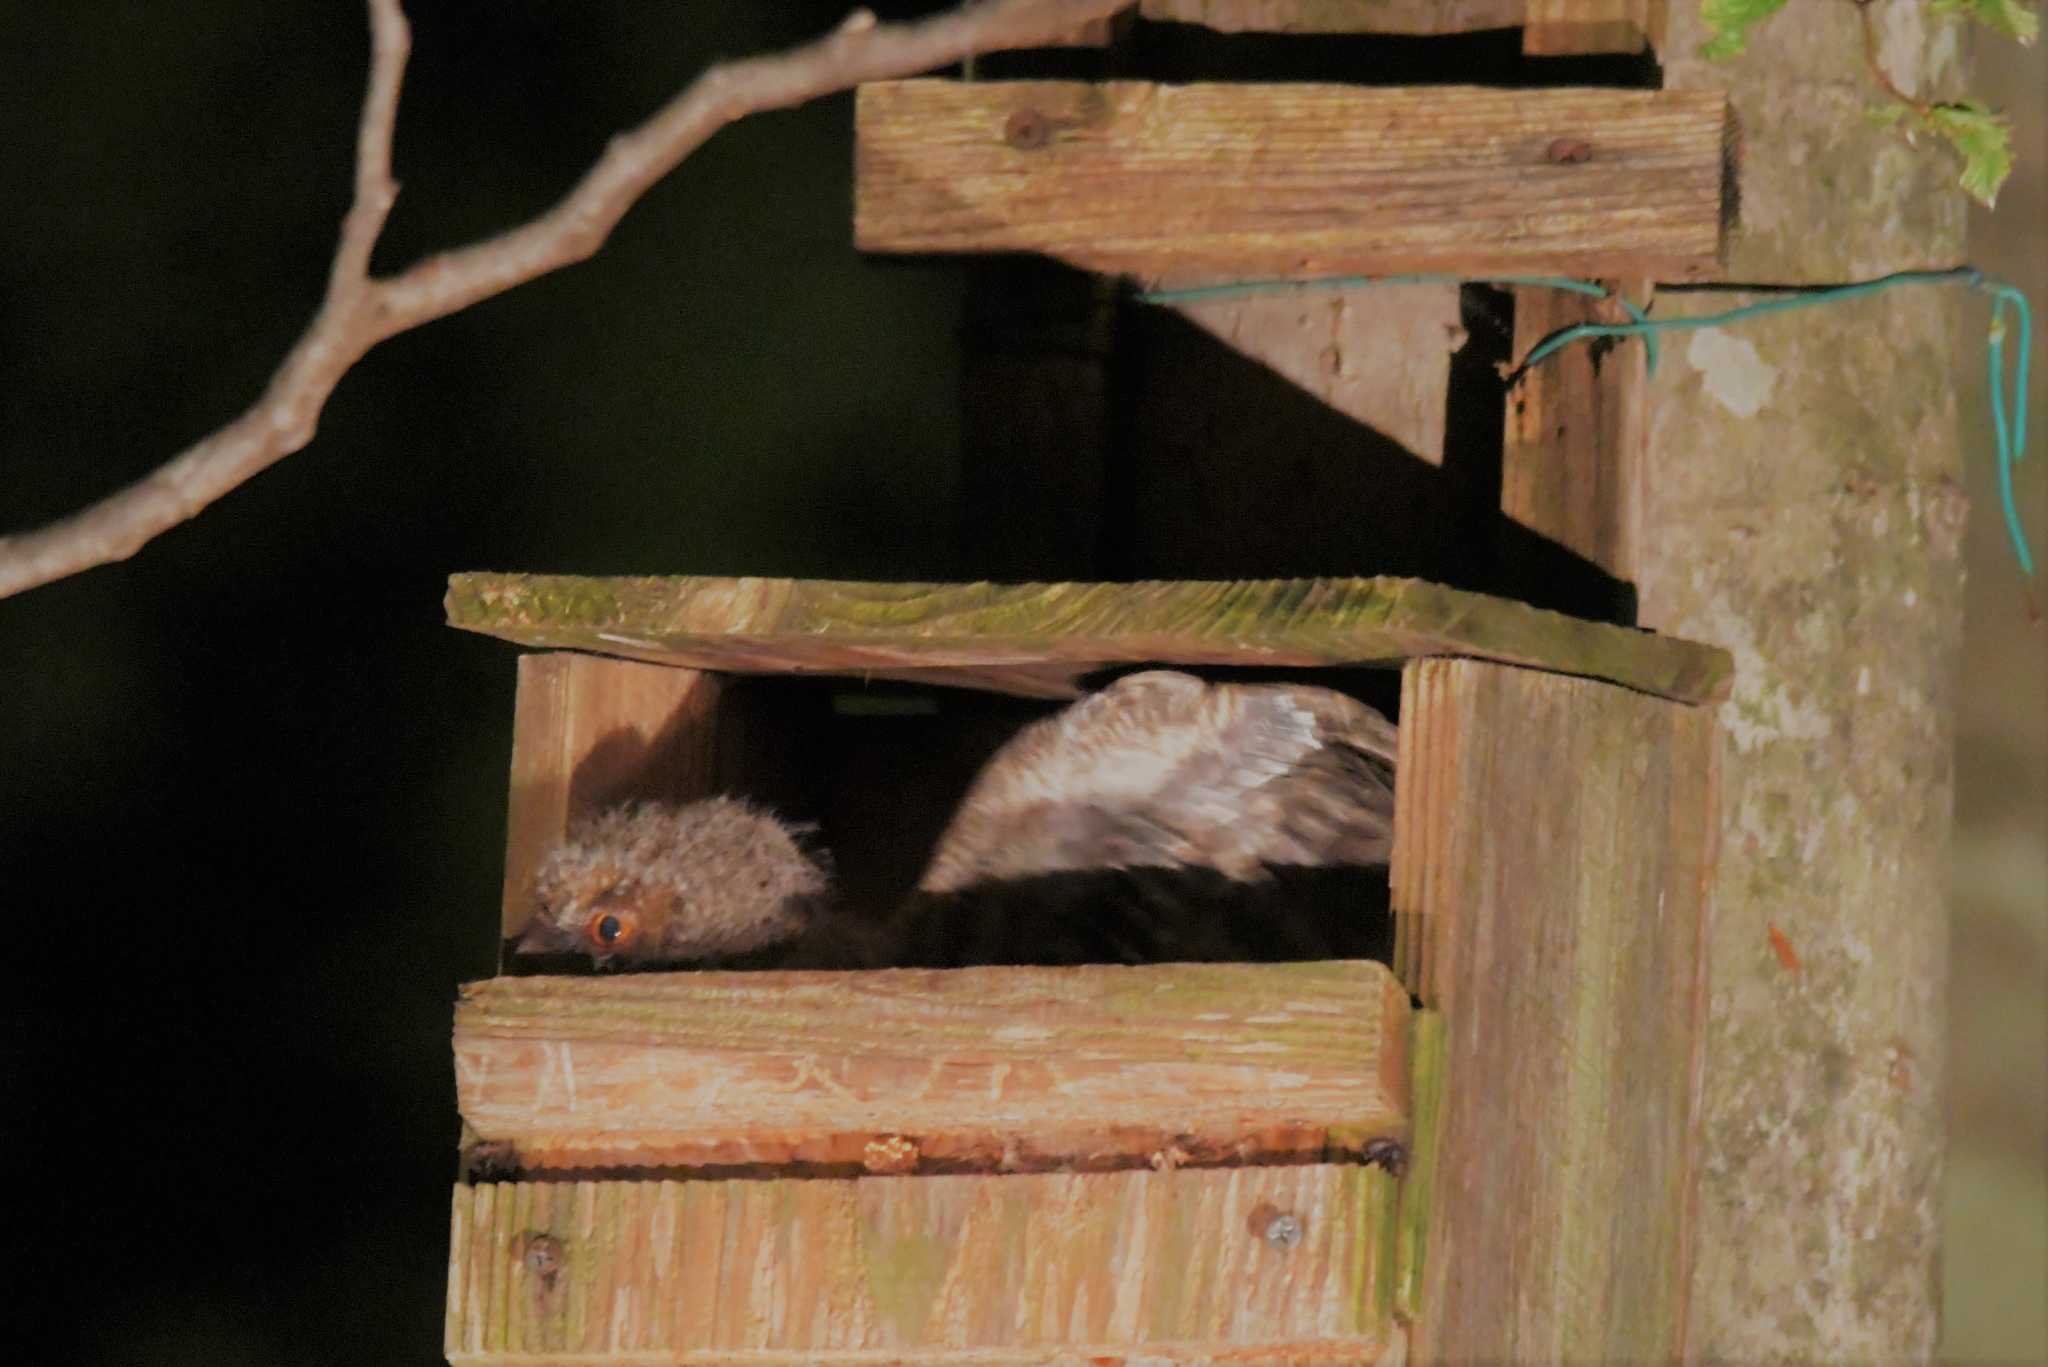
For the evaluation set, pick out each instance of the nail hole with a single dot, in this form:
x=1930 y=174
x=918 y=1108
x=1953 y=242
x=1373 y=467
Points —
x=1027 y=130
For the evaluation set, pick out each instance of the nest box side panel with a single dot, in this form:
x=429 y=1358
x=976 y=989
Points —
x=1551 y=880
x=589 y=732
x=1191 y=1266
x=1575 y=435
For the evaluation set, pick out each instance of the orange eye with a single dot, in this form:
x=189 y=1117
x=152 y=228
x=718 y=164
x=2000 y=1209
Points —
x=611 y=931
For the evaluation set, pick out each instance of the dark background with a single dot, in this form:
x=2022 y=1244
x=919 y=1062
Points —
x=251 y=818
x=252 y=821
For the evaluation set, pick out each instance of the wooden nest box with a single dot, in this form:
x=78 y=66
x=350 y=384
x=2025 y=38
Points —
x=1482 y=1150
x=1162 y=1163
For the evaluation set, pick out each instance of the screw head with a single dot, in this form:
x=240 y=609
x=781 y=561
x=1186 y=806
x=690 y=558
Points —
x=544 y=1257
x=1284 y=1230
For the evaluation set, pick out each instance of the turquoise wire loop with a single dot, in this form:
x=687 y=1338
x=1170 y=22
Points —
x=2012 y=438
x=2011 y=435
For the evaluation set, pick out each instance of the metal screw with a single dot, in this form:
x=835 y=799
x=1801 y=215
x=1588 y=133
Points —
x=544 y=1256
x=1284 y=1230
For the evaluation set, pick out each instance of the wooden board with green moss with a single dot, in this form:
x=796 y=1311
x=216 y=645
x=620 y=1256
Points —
x=1418 y=1184
x=1038 y=640
x=1126 y=1266
x=1554 y=844
x=904 y=1070
x=1212 y=183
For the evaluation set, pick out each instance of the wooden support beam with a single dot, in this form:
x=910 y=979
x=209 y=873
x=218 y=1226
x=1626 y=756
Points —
x=1039 y=639
x=1550 y=28
x=1244 y=182
x=1564 y=28
x=1573 y=443
x=1337 y=16
x=1095 y=33
x=904 y=1070
x=589 y=732
x=1554 y=844
x=1069 y=1267
x=1035 y=419
x=1378 y=354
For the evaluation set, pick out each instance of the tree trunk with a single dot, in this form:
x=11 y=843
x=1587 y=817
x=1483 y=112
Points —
x=1803 y=509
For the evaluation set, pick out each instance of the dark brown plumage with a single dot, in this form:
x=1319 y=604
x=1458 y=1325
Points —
x=1161 y=818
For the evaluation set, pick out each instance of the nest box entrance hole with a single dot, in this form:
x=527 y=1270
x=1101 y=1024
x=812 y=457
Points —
x=871 y=772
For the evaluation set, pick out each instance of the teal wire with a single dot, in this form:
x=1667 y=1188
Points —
x=2012 y=441
x=2011 y=436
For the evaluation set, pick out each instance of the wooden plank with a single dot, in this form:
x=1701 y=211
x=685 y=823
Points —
x=901 y=1070
x=589 y=732
x=1337 y=16
x=1095 y=33
x=1039 y=639
x=1562 y=28
x=1236 y=182
x=1176 y=1267
x=1377 y=354
x=1550 y=28
x=1573 y=447
x=1564 y=910
x=1418 y=1183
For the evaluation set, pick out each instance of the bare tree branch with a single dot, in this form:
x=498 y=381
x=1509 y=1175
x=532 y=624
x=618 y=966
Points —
x=360 y=310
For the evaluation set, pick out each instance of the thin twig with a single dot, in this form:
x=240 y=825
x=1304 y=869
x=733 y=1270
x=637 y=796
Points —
x=1882 y=77
x=360 y=310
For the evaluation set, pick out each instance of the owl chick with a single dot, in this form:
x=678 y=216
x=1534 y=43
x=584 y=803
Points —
x=651 y=883
x=1090 y=826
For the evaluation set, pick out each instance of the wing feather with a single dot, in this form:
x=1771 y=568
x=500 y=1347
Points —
x=1163 y=770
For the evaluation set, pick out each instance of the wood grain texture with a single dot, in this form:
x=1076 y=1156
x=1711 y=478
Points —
x=588 y=732
x=1337 y=16
x=1561 y=28
x=1377 y=354
x=1037 y=640
x=1236 y=182
x=1162 y=1267
x=1559 y=895
x=1418 y=1183
x=985 y=1068
x=1573 y=448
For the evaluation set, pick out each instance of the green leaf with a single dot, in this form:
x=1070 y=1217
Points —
x=1980 y=135
x=2007 y=16
x=1731 y=21
x=1983 y=137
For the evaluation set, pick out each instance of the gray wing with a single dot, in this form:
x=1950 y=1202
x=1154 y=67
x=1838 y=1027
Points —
x=1162 y=770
